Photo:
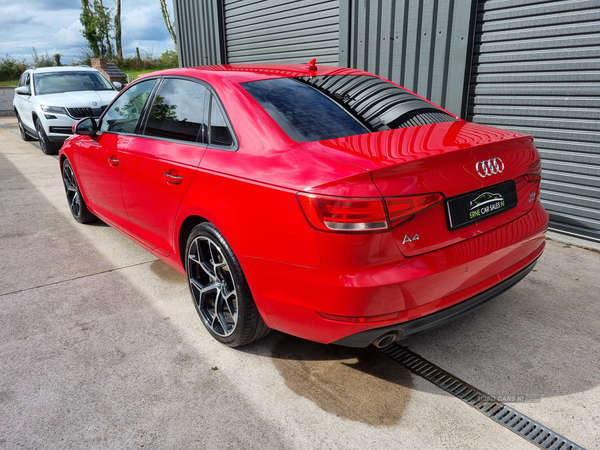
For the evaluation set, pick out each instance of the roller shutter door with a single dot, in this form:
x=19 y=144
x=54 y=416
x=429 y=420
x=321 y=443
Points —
x=536 y=70
x=285 y=31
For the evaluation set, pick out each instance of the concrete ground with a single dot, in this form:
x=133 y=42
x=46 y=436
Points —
x=100 y=347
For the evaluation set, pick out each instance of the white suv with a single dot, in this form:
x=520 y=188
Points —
x=49 y=100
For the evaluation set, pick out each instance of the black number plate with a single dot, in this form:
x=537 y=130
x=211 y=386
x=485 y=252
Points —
x=481 y=204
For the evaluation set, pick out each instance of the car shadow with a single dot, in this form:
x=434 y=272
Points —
x=535 y=340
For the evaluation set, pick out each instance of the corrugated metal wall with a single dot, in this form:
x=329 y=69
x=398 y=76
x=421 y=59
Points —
x=199 y=33
x=423 y=45
x=536 y=69
x=282 y=31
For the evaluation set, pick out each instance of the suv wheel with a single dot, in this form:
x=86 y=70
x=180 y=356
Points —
x=47 y=147
x=24 y=134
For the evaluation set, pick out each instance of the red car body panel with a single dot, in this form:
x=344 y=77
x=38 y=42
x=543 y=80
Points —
x=103 y=178
x=437 y=158
x=294 y=271
x=154 y=177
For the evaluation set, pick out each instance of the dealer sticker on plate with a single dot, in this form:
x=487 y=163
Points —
x=481 y=204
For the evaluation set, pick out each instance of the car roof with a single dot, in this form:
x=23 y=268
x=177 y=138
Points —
x=241 y=73
x=62 y=69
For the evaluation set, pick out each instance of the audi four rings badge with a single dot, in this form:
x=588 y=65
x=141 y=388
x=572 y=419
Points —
x=489 y=167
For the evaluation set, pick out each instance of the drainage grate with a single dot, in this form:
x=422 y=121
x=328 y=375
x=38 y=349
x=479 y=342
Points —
x=505 y=415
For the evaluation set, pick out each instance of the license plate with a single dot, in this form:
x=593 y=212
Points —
x=481 y=204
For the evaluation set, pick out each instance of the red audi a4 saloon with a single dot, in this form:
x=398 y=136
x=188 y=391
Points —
x=322 y=202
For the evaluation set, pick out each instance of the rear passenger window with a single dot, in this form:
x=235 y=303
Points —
x=219 y=131
x=177 y=111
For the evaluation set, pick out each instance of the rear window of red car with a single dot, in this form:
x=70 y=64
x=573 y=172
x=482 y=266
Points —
x=328 y=107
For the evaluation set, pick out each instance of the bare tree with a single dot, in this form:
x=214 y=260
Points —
x=118 y=31
x=165 y=13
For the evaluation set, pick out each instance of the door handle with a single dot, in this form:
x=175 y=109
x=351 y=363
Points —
x=172 y=179
x=113 y=161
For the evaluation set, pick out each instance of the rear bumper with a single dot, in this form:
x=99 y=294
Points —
x=367 y=276
x=365 y=338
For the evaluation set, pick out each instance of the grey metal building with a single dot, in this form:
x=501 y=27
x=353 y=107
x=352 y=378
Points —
x=528 y=65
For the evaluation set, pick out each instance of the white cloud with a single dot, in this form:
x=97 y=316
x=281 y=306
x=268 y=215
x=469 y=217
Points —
x=69 y=37
x=54 y=26
x=144 y=23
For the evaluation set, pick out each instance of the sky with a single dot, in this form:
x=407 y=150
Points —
x=53 y=26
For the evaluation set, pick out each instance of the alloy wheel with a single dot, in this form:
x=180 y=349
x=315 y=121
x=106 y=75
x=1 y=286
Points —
x=41 y=136
x=22 y=130
x=212 y=286
x=72 y=190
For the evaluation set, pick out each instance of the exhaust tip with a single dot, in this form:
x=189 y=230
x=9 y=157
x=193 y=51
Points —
x=385 y=340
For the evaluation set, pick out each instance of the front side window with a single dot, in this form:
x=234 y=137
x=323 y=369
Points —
x=334 y=106
x=124 y=113
x=22 y=80
x=178 y=111
x=25 y=80
x=56 y=82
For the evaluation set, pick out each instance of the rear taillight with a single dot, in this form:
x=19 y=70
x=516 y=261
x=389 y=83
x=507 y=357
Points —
x=343 y=214
x=400 y=208
x=534 y=173
x=362 y=214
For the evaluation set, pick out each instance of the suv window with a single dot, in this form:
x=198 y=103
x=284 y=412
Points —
x=55 y=82
x=334 y=106
x=25 y=80
x=22 y=79
x=178 y=111
x=219 y=131
x=124 y=113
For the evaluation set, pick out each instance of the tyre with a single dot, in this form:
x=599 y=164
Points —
x=47 y=147
x=76 y=203
x=24 y=134
x=219 y=289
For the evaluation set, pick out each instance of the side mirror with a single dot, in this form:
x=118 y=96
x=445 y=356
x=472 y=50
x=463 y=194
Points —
x=118 y=85
x=23 y=90
x=86 y=127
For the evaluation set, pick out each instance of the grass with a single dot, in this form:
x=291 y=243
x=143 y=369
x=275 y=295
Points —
x=9 y=83
x=133 y=74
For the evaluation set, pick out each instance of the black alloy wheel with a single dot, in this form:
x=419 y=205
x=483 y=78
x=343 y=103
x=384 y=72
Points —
x=45 y=144
x=219 y=289
x=76 y=203
x=24 y=134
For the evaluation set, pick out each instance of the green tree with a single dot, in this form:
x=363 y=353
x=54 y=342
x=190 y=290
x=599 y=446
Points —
x=90 y=28
x=97 y=22
x=42 y=60
x=165 y=13
x=105 y=25
x=118 y=31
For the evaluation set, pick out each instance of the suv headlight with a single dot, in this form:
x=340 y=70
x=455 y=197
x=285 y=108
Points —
x=54 y=109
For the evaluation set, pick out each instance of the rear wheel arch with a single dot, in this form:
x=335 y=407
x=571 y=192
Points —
x=195 y=217
x=184 y=231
